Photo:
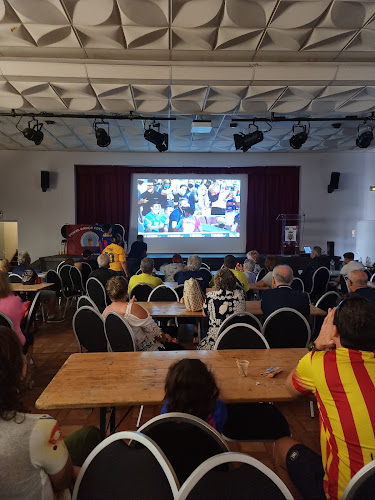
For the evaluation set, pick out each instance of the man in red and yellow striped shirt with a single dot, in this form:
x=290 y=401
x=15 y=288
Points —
x=340 y=372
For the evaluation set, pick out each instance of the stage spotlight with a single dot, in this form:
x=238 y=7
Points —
x=160 y=140
x=102 y=136
x=34 y=133
x=365 y=138
x=297 y=140
x=246 y=141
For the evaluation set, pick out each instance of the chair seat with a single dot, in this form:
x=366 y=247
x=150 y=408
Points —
x=255 y=422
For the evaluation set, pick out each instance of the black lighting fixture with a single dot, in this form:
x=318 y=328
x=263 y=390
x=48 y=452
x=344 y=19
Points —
x=34 y=133
x=102 y=136
x=246 y=141
x=154 y=136
x=299 y=138
x=365 y=137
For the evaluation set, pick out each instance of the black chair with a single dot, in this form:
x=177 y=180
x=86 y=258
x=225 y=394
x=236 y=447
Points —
x=30 y=319
x=85 y=272
x=368 y=274
x=344 y=285
x=139 y=272
x=96 y=292
x=59 y=266
x=88 y=327
x=297 y=284
x=84 y=300
x=362 y=484
x=14 y=278
x=114 y=470
x=186 y=440
x=206 y=273
x=320 y=281
x=261 y=275
x=179 y=289
x=120 y=230
x=76 y=277
x=53 y=277
x=286 y=327
x=327 y=301
x=5 y=321
x=119 y=333
x=217 y=478
x=163 y=293
x=205 y=265
x=141 y=292
x=68 y=286
x=241 y=336
x=241 y=317
x=372 y=279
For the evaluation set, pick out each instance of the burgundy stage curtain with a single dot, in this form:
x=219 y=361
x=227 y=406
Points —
x=103 y=195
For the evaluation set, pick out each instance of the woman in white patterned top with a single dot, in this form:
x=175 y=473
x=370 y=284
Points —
x=221 y=303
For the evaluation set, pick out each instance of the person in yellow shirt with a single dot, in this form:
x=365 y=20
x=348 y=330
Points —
x=116 y=254
x=147 y=266
x=230 y=263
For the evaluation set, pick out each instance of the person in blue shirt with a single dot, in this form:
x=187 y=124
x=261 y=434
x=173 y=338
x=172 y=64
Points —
x=177 y=214
x=190 y=387
x=106 y=238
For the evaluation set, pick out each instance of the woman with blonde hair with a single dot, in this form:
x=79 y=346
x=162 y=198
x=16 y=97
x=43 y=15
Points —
x=11 y=305
x=4 y=265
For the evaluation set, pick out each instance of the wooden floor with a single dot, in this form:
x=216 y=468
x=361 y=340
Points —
x=55 y=342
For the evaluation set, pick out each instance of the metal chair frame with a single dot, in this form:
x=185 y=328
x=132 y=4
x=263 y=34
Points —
x=240 y=315
x=228 y=330
x=287 y=309
x=357 y=480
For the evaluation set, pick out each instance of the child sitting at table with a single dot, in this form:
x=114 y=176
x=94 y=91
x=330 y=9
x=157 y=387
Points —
x=190 y=387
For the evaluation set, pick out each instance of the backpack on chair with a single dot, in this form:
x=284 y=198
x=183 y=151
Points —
x=193 y=295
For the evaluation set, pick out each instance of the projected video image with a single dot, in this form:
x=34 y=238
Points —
x=178 y=208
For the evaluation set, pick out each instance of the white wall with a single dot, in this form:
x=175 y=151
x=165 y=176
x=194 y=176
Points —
x=328 y=216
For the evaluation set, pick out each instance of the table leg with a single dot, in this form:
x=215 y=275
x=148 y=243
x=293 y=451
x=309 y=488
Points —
x=112 y=421
x=103 y=412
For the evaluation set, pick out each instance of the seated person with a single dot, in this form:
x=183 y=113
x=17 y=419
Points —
x=282 y=295
x=340 y=372
x=248 y=270
x=357 y=283
x=35 y=461
x=147 y=335
x=188 y=222
x=147 y=267
x=193 y=270
x=103 y=273
x=4 y=265
x=270 y=263
x=349 y=265
x=169 y=270
x=86 y=257
x=230 y=263
x=11 y=306
x=316 y=261
x=254 y=255
x=221 y=303
x=105 y=240
x=190 y=387
x=155 y=221
x=138 y=251
x=116 y=254
x=177 y=214
x=48 y=296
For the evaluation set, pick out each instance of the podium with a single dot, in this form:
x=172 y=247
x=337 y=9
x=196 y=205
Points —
x=290 y=233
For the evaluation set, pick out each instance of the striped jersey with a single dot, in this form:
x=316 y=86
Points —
x=343 y=381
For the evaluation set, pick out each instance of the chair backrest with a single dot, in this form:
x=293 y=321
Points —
x=65 y=278
x=148 y=474
x=60 y=266
x=368 y=273
x=53 y=277
x=205 y=265
x=362 y=485
x=372 y=279
x=286 y=327
x=88 y=327
x=241 y=336
x=140 y=291
x=76 y=277
x=14 y=278
x=344 y=284
x=212 y=480
x=33 y=309
x=297 y=284
x=241 y=317
x=163 y=293
x=85 y=272
x=320 y=280
x=119 y=333
x=5 y=321
x=179 y=289
x=119 y=229
x=139 y=272
x=96 y=292
x=260 y=275
x=206 y=272
x=327 y=301
x=186 y=440
x=84 y=300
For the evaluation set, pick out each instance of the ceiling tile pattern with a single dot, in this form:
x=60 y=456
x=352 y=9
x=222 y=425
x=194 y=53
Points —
x=217 y=59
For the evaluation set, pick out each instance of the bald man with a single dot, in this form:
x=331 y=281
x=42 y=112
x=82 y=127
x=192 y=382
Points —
x=357 y=283
x=282 y=295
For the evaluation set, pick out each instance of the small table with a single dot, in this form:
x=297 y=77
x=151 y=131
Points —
x=168 y=309
x=19 y=287
x=253 y=287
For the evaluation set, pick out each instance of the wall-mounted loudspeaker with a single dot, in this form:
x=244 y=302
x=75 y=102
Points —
x=334 y=182
x=44 y=180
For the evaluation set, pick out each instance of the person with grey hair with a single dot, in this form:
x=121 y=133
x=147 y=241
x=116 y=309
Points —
x=248 y=270
x=254 y=255
x=357 y=283
x=282 y=295
x=147 y=266
x=193 y=270
x=103 y=273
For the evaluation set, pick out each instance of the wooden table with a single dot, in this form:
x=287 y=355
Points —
x=254 y=307
x=91 y=380
x=253 y=287
x=19 y=287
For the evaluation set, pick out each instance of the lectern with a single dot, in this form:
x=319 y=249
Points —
x=290 y=233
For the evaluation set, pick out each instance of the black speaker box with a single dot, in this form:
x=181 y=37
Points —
x=44 y=180
x=335 y=178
